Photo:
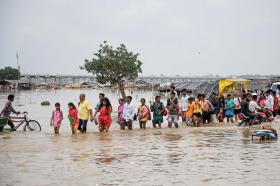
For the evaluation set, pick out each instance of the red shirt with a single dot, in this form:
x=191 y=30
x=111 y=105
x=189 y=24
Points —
x=73 y=113
x=275 y=100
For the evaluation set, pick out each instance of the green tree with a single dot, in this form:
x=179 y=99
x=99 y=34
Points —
x=9 y=73
x=114 y=66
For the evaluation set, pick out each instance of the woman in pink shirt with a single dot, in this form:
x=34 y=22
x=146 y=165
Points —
x=262 y=101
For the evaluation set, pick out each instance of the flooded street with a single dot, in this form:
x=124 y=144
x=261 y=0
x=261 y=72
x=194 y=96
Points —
x=210 y=155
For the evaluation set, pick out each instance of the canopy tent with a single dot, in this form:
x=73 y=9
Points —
x=228 y=85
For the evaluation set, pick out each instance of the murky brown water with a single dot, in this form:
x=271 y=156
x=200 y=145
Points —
x=212 y=155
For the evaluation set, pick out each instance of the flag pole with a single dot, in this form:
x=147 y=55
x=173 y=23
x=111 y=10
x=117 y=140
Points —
x=18 y=62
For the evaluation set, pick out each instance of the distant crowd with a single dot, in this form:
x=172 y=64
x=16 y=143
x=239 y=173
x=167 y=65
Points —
x=196 y=111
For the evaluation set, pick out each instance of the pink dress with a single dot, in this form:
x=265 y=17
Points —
x=120 y=113
x=57 y=116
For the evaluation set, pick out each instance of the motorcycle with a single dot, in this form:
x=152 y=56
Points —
x=263 y=116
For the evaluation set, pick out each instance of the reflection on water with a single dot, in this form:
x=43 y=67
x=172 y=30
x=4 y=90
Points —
x=210 y=155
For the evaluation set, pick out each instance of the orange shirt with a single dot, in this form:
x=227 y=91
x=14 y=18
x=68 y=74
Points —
x=190 y=111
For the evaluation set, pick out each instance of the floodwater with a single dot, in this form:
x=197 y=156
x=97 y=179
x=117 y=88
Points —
x=210 y=155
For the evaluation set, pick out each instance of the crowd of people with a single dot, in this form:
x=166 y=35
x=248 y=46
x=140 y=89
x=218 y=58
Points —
x=190 y=109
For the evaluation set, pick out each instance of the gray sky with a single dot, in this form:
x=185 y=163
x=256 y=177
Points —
x=173 y=37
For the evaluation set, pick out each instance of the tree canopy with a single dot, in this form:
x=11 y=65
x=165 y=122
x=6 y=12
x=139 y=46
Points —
x=9 y=73
x=114 y=65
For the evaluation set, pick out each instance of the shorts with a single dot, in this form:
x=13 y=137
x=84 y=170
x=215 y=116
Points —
x=237 y=111
x=229 y=113
x=197 y=114
x=172 y=119
x=157 y=119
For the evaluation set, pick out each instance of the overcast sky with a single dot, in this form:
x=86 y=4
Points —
x=184 y=37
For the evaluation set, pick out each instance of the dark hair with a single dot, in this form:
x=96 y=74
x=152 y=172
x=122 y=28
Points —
x=57 y=104
x=143 y=99
x=121 y=99
x=129 y=97
x=221 y=98
x=244 y=96
x=11 y=97
x=249 y=95
x=173 y=93
x=184 y=90
x=214 y=93
x=72 y=105
x=102 y=94
x=267 y=92
x=172 y=87
x=273 y=93
x=158 y=96
x=203 y=95
x=107 y=104
x=255 y=96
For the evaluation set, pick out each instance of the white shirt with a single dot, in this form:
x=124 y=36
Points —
x=128 y=111
x=184 y=102
x=253 y=106
x=269 y=102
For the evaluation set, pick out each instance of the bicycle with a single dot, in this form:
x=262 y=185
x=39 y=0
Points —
x=30 y=124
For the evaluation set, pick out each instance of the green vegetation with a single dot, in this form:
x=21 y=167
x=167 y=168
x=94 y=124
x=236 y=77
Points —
x=9 y=73
x=114 y=66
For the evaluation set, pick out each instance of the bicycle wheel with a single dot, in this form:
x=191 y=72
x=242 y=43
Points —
x=32 y=125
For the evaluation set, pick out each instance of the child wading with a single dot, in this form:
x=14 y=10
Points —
x=73 y=117
x=229 y=108
x=197 y=112
x=190 y=110
x=120 y=112
x=173 y=108
x=104 y=118
x=56 y=118
x=143 y=114
x=157 y=108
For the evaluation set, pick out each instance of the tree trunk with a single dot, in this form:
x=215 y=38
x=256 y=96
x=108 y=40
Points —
x=121 y=89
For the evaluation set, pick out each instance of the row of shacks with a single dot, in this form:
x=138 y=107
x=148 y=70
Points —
x=194 y=87
x=220 y=87
x=15 y=84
